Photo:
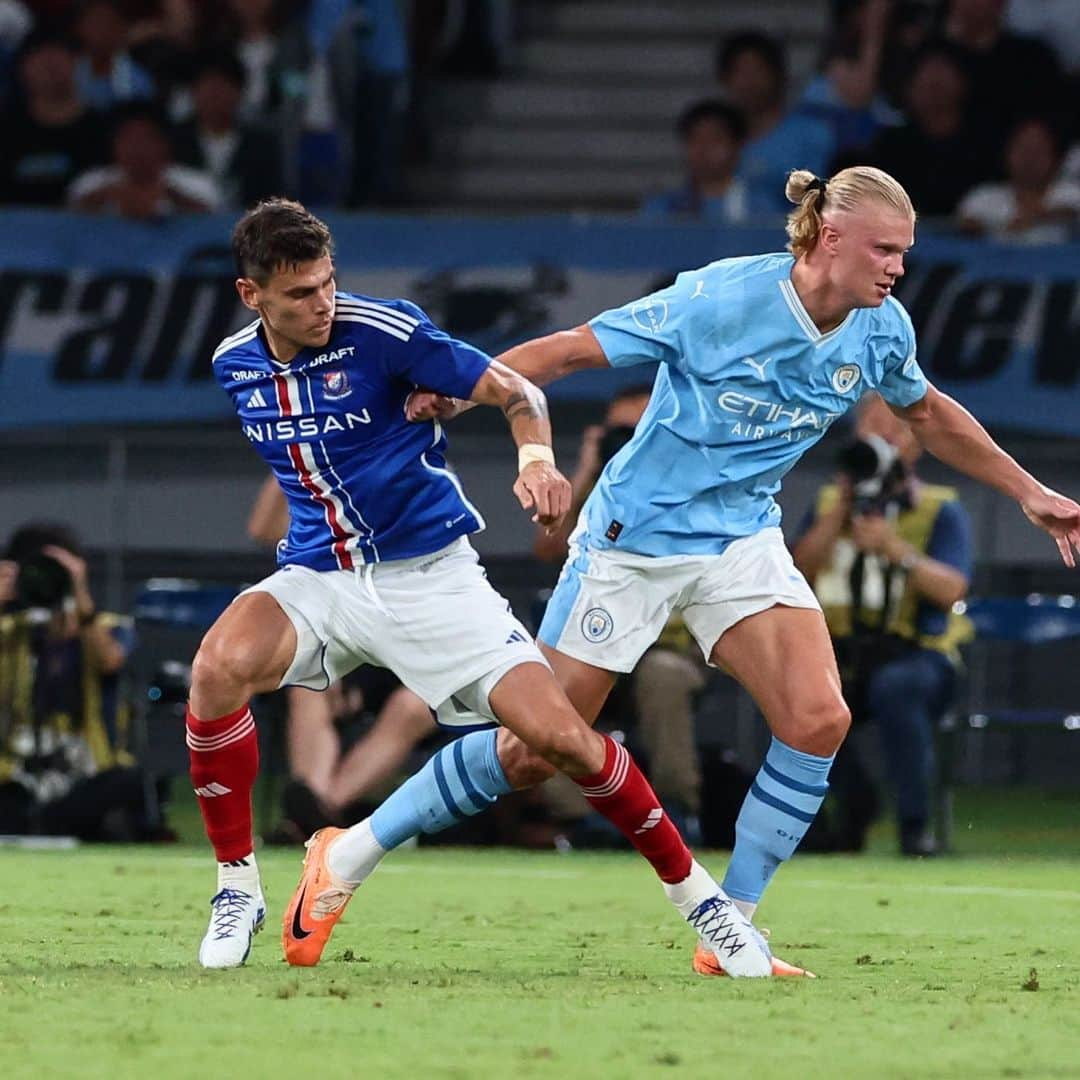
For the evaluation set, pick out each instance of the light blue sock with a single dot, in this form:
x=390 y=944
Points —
x=462 y=779
x=782 y=802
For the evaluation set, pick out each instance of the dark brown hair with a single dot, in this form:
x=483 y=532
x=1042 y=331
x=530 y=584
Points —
x=278 y=234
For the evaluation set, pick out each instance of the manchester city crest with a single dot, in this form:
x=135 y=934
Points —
x=597 y=625
x=335 y=385
x=845 y=377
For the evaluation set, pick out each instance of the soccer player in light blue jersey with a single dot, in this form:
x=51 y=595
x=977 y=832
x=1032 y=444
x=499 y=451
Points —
x=758 y=357
x=377 y=569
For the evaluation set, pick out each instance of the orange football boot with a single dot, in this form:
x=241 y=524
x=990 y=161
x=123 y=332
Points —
x=705 y=963
x=317 y=904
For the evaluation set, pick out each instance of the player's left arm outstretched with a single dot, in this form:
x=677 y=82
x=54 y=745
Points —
x=953 y=435
x=539 y=485
x=541 y=361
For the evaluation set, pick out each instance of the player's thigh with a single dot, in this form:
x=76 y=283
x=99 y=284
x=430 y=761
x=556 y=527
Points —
x=252 y=643
x=587 y=688
x=784 y=658
x=330 y=617
x=586 y=685
x=528 y=702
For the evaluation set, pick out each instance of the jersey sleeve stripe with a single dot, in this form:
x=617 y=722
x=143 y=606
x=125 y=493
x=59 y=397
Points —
x=406 y=322
x=370 y=305
x=239 y=338
x=253 y=325
x=393 y=331
x=363 y=312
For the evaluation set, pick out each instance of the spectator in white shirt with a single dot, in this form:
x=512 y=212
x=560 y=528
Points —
x=1035 y=204
x=142 y=183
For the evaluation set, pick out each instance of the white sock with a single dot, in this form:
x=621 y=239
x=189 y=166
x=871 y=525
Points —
x=240 y=874
x=354 y=855
x=747 y=907
x=695 y=888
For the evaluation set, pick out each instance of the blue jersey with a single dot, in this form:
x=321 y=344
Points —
x=746 y=385
x=363 y=484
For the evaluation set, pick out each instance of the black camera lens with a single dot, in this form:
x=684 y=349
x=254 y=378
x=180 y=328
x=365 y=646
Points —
x=41 y=583
x=859 y=460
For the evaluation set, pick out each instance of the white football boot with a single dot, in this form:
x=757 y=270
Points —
x=731 y=937
x=723 y=929
x=236 y=916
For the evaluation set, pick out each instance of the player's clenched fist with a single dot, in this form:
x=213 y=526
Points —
x=428 y=405
x=541 y=487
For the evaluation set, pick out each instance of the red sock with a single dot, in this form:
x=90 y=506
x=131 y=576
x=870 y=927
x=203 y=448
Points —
x=224 y=763
x=622 y=794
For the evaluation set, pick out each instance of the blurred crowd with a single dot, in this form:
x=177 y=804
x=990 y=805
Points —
x=142 y=108
x=970 y=104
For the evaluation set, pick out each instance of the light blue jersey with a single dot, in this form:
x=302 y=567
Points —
x=746 y=385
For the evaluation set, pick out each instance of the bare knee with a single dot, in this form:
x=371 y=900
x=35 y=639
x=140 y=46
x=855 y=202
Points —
x=572 y=748
x=567 y=745
x=523 y=767
x=224 y=668
x=816 y=726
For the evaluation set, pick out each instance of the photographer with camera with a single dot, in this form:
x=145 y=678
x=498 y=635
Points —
x=888 y=556
x=63 y=720
x=667 y=677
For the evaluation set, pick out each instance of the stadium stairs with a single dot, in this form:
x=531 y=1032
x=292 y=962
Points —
x=583 y=119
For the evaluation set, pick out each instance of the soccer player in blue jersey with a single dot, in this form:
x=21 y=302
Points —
x=758 y=357
x=377 y=569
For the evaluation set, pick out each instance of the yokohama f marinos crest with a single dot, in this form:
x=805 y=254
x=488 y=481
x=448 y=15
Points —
x=597 y=625
x=336 y=385
x=845 y=377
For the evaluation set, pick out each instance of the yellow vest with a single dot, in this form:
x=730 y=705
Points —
x=833 y=583
x=16 y=702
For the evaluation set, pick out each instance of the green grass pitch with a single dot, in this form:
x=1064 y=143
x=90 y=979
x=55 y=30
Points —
x=477 y=964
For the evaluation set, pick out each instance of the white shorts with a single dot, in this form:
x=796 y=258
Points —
x=434 y=620
x=609 y=606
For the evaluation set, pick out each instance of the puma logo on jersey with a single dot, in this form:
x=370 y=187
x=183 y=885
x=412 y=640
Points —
x=699 y=290
x=759 y=366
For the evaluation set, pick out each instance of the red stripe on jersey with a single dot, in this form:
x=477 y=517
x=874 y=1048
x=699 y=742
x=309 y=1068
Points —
x=341 y=551
x=282 y=389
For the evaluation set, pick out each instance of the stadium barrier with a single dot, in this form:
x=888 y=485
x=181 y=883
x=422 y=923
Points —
x=113 y=321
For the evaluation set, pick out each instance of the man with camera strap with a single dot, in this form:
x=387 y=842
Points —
x=888 y=556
